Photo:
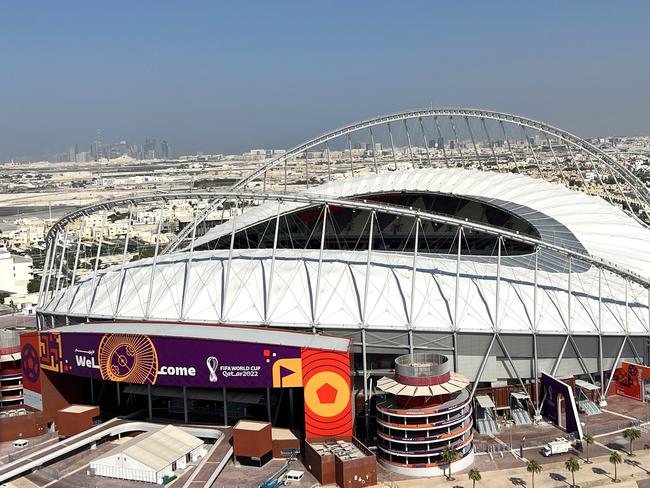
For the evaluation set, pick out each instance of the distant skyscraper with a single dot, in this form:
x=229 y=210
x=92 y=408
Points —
x=72 y=153
x=149 y=148
x=165 y=152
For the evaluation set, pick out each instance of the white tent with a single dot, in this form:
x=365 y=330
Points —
x=151 y=456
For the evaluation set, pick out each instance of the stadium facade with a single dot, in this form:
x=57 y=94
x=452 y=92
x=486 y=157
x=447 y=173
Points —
x=507 y=245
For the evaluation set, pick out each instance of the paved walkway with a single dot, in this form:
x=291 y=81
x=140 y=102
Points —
x=599 y=473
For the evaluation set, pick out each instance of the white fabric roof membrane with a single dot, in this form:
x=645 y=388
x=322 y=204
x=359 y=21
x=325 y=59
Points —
x=240 y=291
x=563 y=217
x=157 y=449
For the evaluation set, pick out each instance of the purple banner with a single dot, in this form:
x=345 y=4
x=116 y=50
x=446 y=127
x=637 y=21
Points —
x=560 y=395
x=171 y=361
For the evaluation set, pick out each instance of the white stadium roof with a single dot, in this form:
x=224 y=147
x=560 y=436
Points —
x=561 y=216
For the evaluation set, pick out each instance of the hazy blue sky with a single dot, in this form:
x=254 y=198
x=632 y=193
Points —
x=226 y=76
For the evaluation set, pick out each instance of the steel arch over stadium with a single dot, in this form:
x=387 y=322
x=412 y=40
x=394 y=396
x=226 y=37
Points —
x=632 y=184
x=576 y=304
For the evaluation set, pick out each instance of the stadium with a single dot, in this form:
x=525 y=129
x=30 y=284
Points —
x=506 y=245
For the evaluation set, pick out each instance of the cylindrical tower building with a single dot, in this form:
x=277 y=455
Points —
x=426 y=408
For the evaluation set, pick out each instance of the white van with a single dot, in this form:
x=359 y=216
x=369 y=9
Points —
x=294 y=475
x=21 y=443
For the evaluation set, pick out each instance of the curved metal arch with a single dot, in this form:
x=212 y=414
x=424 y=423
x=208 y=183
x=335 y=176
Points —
x=382 y=208
x=119 y=202
x=628 y=177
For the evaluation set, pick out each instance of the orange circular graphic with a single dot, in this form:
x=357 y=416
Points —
x=327 y=394
x=129 y=358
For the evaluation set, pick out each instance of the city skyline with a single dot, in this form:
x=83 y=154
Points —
x=204 y=79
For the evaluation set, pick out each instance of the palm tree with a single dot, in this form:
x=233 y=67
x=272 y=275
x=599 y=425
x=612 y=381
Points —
x=631 y=435
x=474 y=475
x=533 y=467
x=589 y=440
x=572 y=466
x=449 y=455
x=615 y=458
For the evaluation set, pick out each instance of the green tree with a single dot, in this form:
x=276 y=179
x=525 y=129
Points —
x=572 y=465
x=474 y=475
x=615 y=458
x=631 y=435
x=646 y=446
x=34 y=285
x=449 y=455
x=533 y=467
x=588 y=440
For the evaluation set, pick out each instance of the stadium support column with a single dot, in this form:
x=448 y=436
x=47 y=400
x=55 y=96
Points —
x=99 y=251
x=603 y=402
x=118 y=395
x=314 y=311
x=364 y=317
x=497 y=305
x=188 y=271
x=122 y=270
x=46 y=263
x=74 y=269
x=479 y=373
x=50 y=269
x=154 y=263
x=457 y=295
x=224 y=292
x=267 y=301
x=60 y=271
x=569 y=297
x=413 y=279
x=364 y=324
x=535 y=359
x=536 y=371
x=366 y=414
x=268 y=404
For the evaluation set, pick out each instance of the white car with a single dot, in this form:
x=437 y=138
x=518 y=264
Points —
x=21 y=443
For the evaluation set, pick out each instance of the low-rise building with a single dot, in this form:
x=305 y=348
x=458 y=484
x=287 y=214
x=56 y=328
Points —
x=153 y=457
x=15 y=272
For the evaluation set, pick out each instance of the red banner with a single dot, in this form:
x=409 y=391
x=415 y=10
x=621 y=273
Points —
x=31 y=368
x=629 y=380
